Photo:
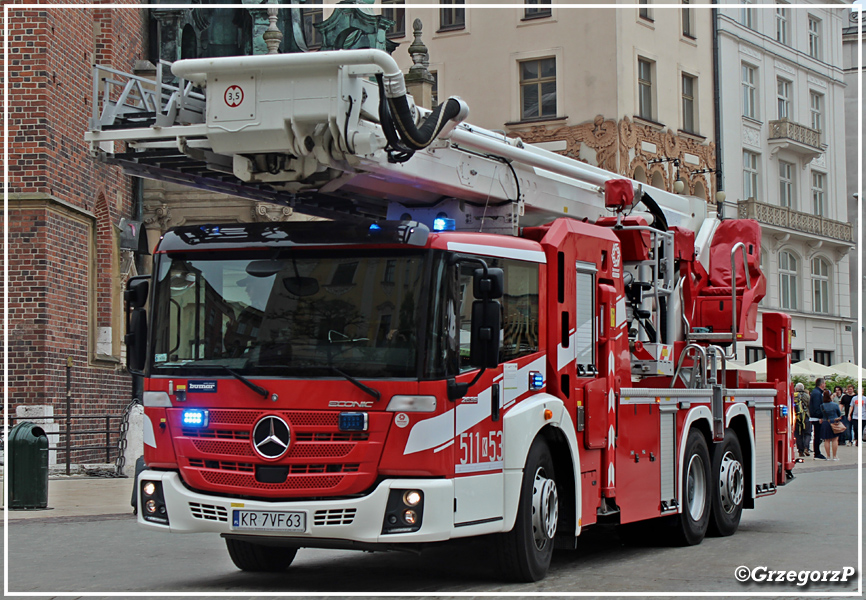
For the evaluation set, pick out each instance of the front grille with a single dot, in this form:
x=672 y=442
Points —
x=334 y=516
x=321 y=460
x=221 y=465
x=208 y=512
x=299 y=482
x=216 y=433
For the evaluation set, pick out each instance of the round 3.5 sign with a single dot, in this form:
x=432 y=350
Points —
x=234 y=96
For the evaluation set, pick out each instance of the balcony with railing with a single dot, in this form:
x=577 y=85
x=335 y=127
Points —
x=796 y=221
x=800 y=139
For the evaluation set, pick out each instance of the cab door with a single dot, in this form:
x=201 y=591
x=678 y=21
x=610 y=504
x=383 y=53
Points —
x=479 y=436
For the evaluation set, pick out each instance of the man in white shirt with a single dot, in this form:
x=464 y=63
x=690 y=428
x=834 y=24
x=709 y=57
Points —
x=856 y=416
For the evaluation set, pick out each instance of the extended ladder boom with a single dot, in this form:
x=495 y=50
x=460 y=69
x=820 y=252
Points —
x=308 y=129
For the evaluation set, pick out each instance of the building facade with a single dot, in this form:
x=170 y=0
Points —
x=66 y=268
x=852 y=62
x=626 y=88
x=782 y=96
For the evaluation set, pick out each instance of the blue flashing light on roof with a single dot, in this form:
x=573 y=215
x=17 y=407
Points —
x=444 y=224
x=375 y=227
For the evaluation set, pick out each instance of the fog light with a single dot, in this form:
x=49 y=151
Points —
x=150 y=506
x=149 y=488
x=412 y=498
x=410 y=516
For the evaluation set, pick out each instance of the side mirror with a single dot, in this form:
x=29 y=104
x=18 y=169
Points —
x=135 y=297
x=484 y=343
x=489 y=286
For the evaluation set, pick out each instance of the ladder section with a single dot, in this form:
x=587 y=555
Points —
x=307 y=130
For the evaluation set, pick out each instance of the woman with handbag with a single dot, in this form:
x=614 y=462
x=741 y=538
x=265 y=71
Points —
x=831 y=426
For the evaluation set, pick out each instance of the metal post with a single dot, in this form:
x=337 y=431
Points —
x=68 y=410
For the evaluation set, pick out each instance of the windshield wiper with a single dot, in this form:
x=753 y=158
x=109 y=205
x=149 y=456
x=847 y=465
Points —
x=366 y=388
x=256 y=388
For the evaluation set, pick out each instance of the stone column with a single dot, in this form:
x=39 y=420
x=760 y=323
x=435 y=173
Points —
x=419 y=81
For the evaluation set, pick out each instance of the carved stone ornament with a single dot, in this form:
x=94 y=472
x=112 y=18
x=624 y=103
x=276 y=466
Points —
x=161 y=216
x=624 y=146
x=264 y=212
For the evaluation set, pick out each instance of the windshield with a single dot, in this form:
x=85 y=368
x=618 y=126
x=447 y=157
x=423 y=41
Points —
x=297 y=314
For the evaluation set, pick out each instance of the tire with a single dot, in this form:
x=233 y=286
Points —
x=259 y=558
x=524 y=552
x=728 y=486
x=690 y=526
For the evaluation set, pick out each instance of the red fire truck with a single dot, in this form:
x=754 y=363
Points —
x=486 y=339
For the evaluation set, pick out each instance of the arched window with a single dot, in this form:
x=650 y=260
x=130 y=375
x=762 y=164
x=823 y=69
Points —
x=640 y=174
x=820 y=286
x=658 y=180
x=788 y=269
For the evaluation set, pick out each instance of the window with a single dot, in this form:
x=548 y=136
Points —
x=750 y=92
x=783 y=95
x=645 y=88
x=434 y=93
x=754 y=354
x=788 y=269
x=344 y=274
x=814 y=37
x=644 y=11
x=796 y=356
x=538 y=88
x=782 y=25
x=816 y=105
x=390 y=266
x=824 y=357
x=689 y=91
x=818 y=201
x=750 y=175
x=688 y=21
x=542 y=9
x=395 y=11
x=519 y=302
x=309 y=17
x=452 y=17
x=786 y=184
x=748 y=16
x=820 y=286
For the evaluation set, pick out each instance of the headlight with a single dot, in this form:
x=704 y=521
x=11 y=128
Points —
x=149 y=488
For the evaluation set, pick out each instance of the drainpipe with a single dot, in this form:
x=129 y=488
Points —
x=717 y=97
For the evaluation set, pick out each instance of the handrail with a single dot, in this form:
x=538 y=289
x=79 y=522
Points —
x=702 y=354
x=734 y=327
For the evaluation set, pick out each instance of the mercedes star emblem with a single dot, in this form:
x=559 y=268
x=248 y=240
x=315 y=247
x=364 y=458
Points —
x=271 y=437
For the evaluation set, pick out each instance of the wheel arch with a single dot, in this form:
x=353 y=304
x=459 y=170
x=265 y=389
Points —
x=522 y=426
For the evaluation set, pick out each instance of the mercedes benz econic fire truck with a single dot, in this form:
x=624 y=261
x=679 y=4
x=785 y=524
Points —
x=481 y=338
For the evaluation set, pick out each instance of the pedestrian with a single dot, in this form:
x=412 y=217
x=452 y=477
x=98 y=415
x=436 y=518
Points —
x=816 y=399
x=830 y=413
x=857 y=416
x=802 y=425
x=845 y=404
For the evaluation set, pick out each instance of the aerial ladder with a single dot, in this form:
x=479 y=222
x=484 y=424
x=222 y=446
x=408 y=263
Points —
x=340 y=138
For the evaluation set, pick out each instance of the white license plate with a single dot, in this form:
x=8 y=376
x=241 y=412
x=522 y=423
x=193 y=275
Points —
x=264 y=520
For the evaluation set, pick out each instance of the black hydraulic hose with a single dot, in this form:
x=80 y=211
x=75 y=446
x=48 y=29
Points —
x=396 y=119
x=421 y=137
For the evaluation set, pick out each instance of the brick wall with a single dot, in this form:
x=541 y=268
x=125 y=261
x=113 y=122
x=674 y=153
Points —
x=63 y=206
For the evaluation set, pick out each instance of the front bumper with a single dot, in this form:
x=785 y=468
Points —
x=351 y=519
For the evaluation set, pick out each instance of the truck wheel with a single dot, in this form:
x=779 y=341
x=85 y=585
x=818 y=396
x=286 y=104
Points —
x=526 y=550
x=692 y=522
x=258 y=558
x=727 y=487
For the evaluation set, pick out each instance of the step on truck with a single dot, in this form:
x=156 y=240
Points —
x=479 y=338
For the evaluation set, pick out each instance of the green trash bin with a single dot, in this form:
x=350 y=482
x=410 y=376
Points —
x=27 y=455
